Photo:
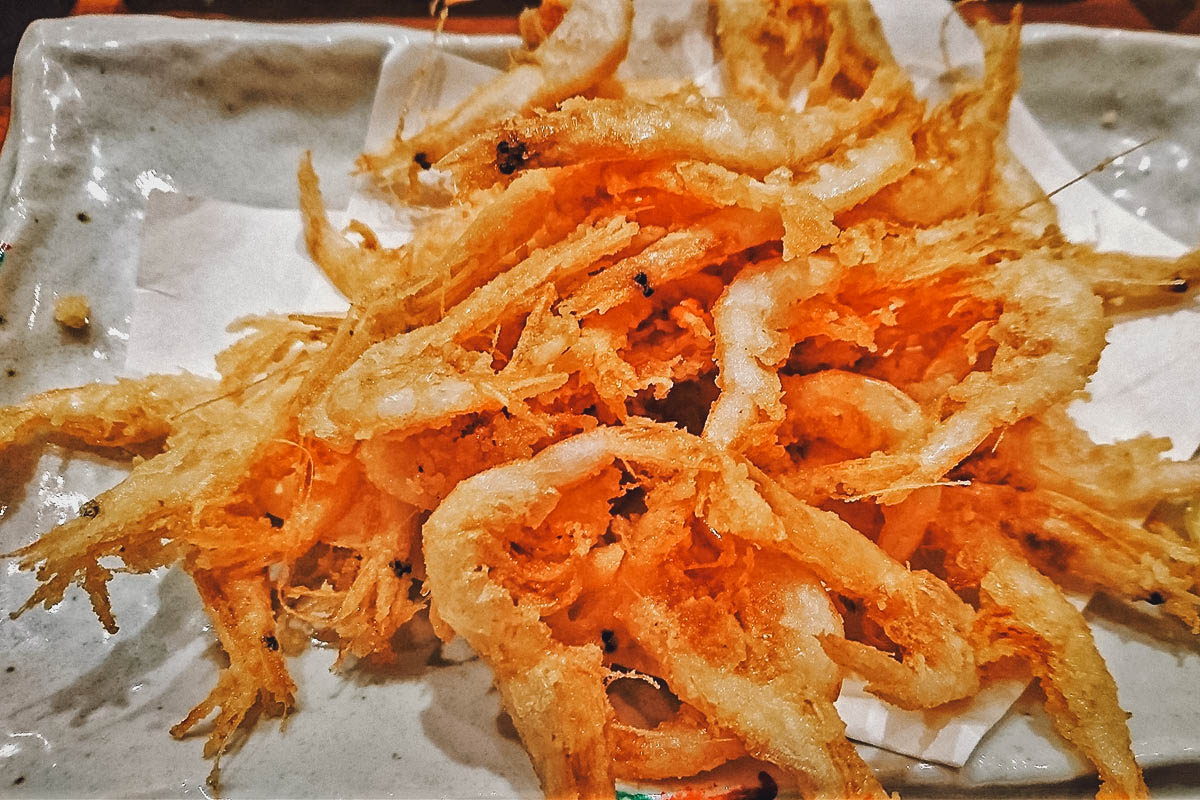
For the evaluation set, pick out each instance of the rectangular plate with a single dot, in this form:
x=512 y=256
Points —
x=107 y=110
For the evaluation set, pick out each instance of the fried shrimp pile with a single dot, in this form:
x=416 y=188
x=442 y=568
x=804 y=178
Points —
x=736 y=396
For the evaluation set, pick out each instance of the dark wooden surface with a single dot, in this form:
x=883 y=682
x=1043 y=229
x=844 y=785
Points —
x=1173 y=16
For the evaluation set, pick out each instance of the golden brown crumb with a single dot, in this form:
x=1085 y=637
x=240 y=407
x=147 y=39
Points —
x=72 y=311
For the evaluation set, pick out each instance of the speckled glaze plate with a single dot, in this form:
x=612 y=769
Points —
x=109 y=109
x=1100 y=92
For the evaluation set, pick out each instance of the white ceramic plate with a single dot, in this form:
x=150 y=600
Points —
x=1100 y=92
x=108 y=109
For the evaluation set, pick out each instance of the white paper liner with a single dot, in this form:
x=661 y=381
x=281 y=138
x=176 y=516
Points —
x=206 y=263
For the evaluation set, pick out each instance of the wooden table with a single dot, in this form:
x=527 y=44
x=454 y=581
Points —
x=1180 y=16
